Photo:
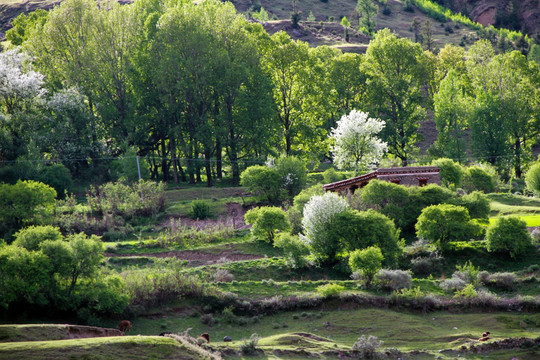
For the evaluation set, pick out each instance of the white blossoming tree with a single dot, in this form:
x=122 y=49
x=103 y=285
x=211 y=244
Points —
x=17 y=83
x=356 y=145
x=318 y=214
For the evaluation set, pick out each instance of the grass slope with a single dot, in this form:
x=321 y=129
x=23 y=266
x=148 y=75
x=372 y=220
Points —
x=126 y=347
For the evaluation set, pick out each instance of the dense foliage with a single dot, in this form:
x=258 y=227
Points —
x=223 y=94
x=508 y=236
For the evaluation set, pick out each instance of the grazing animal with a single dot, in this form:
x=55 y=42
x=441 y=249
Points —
x=227 y=338
x=165 y=333
x=486 y=334
x=206 y=337
x=125 y=325
x=485 y=338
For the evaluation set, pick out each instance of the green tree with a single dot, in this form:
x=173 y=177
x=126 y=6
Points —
x=443 y=223
x=395 y=78
x=509 y=236
x=368 y=261
x=451 y=173
x=361 y=229
x=22 y=25
x=262 y=180
x=367 y=12
x=346 y=24
x=267 y=221
x=477 y=178
x=287 y=64
x=451 y=117
x=87 y=254
x=293 y=173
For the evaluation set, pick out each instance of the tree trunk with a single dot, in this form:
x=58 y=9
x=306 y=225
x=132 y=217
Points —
x=219 y=170
x=164 y=164
x=208 y=166
x=172 y=144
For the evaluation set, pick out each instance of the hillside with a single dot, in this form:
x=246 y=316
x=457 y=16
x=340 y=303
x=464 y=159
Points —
x=326 y=29
x=521 y=15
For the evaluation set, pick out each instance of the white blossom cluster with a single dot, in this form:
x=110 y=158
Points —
x=16 y=84
x=356 y=144
x=318 y=212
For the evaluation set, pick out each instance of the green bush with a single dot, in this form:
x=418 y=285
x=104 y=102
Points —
x=360 y=229
x=388 y=198
x=477 y=203
x=532 y=178
x=31 y=237
x=263 y=181
x=451 y=172
x=25 y=203
x=368 y=261
x=294 y=249
x=443 y=223
x=267 y=221
x=509 y=236
x=293 y=173
x=143 y=198
x=330 y=290
x=477 y=178
x=200 y=209
x=330 y=175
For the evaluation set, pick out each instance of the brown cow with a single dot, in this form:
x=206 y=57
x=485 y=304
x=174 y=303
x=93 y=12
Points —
x=206 y=337
x=125 y=325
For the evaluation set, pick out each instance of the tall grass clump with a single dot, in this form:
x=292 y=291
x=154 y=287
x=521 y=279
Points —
x=185 y=236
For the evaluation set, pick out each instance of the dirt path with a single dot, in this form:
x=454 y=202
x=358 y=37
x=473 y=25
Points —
x=198 y=257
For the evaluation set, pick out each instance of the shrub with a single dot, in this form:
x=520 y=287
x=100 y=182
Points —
x=532 y=178
x=200 y=209
x=223 y=275
x=294 y=249
x=330 y=175
x=249 y=347
x=263 y=181
x=503 y=281
x=467 y=272
x=509 y=236
x=477 y=178
x=467 y=292
x=293 y=174
x=394 y=279
x=452 y=284
x=25 y=203
x=267 y=221
x=424 y=265
x=388 y=198
x=444 y=223
x=451 y=172
x=31 y=237
x=368 y=261
x=318 y=215
x=366 y=348
x=360 y=229
x=477 y=203
x=330 y=290
x=143 y=198
x=208 y=319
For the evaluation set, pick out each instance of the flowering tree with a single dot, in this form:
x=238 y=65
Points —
x=356 y=144
x=16 y=84
x=318 y=215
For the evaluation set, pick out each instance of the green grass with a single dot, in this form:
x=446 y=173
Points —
x=125 y=347
x=508 y=204
x=531 y=220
